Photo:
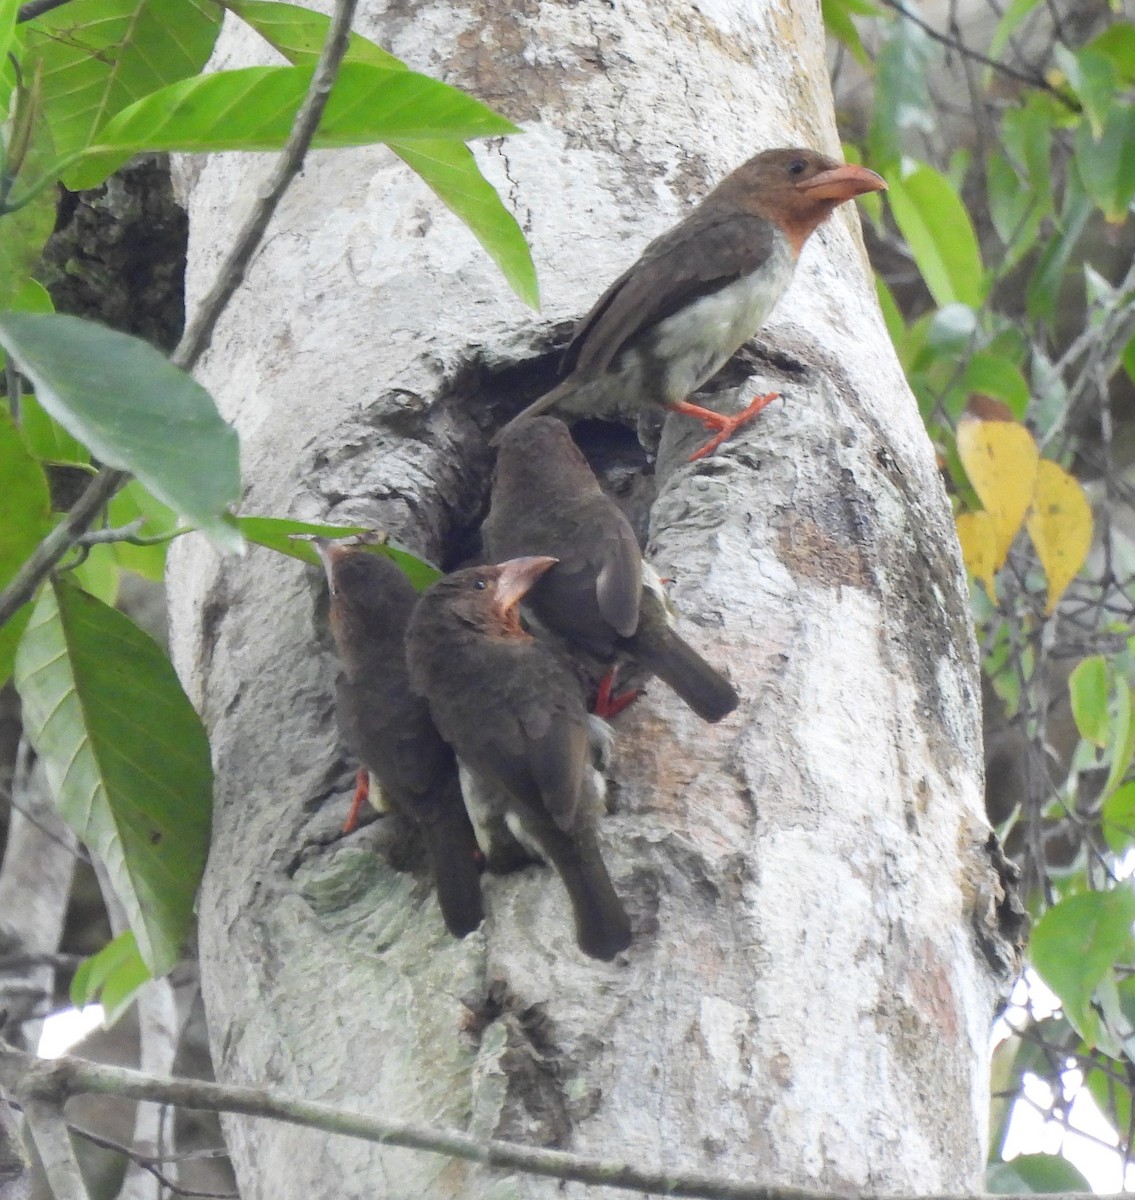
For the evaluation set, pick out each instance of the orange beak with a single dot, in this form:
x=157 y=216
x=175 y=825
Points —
x=516 y=578
x=842 y=183
x=330 y=554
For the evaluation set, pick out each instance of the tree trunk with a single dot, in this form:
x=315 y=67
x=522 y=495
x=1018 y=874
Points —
x=815 y=958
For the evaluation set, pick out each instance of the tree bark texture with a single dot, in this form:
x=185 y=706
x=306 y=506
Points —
x=816 y=950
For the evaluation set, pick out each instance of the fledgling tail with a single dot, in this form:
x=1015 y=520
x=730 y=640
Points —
x=453 y=854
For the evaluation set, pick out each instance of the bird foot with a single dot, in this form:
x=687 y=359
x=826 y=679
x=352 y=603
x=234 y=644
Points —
x=725 y=426
x=362 y=790
x=608 y=705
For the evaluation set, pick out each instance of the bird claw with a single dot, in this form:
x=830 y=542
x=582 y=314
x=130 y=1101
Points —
x=362 y=790
x=725 y=426
x=608 y=705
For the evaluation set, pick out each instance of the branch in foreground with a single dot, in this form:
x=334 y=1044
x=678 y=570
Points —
x=43 y=1112
x=66 y=1077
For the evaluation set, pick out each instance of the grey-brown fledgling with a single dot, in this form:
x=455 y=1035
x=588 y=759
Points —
x=389 y=727
x=701 y=291
x=514 y=713
x=546 y=500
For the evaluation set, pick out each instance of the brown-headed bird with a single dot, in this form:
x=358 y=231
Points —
x=701 y=291
x=514 y=712
x=546 y=500
x=389 y=727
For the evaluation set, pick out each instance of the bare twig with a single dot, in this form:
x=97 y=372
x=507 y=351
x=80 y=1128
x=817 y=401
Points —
x=148 y=1162
x=197 y=336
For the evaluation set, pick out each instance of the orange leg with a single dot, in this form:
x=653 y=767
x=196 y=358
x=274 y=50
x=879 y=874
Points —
x=608 y=706
x=362 y=790
x=724 y=426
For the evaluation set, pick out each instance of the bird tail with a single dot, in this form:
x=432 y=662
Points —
x=453 y=854
x=678 y=664
x=602 y=927
x=548 y=400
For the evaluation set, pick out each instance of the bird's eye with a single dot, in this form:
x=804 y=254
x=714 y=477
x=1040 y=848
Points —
x=480 y=585
x=797 y=166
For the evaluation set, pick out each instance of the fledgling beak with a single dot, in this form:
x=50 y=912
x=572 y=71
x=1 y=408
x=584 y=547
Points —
x=516 y=578
x=842 y=183
x=330 y=553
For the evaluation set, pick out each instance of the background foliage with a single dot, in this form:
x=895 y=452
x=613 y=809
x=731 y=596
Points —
x=1007 y=137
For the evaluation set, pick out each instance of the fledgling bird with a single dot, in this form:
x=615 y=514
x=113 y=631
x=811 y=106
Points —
x=389 y=727
x=701 y=291
x=546 y=500
x=515 y=715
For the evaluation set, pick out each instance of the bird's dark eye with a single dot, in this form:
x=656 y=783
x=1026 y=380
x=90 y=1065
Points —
x=480 y=585
x=797 y=166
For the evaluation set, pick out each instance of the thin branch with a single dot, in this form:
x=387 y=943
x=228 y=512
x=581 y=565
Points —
x=953 y=43
x=148 y=1162
x=197 y=336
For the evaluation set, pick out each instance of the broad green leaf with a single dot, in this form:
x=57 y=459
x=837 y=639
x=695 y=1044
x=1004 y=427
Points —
x=979 y=548
x=111 y=977
x=8 y=10
x=1117 y=818
x=27 y=520
x=1105 y=164
x=47 y=439
x=133 y=503
x=1093 y=79
x=837 y=20
x=902 y=97
x=291 y=538
x=1087 y=689
x=1060 y=526
x=99 y=56
x=992 y=375
x=1038 y=1173
x=1044 y=288
x=125 y=755
x=1076 y=943
x=134 y=410
x=1016 y=211
x=253 y=108
x=1117 y=45
x=893 y=319
x=938 y=230
x=1122 y=744
x=97 y=574
x=24 y=232
x=1000 y=458
x=299 y=33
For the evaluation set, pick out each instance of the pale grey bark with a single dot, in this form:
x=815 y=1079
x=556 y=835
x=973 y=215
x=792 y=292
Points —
x=808 y=994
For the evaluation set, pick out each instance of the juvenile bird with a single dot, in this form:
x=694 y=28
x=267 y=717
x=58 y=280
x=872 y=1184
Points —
x=701 y=291
x=389 y=728
x=515 y=715
x=546 y=500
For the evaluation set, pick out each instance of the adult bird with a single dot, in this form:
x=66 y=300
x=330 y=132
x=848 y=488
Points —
x=390 y=729
x=546 y=500
x=700 y=291
x=514 y=713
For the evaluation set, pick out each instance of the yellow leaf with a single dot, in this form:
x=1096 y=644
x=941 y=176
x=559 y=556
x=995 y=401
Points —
x=1060 y=525
x=1000 y=458
x=975 y=532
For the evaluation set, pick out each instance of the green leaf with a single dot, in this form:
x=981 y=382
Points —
x=1016 y=212
x=902 y=95
x=1105 y=164
x=133 y=503
x=1075 y=945
x=1117 y=45
x=1034 y=1173
x=253 y=108
x=1093 y=79
x=99 y=56
x=290 y=538
x=47 y=439
x=938 y=231
x=97 y=574
x=23 y=234
x=991 y=375
x=1087 y=687
x=111 y=978
x=135 y=411
x=125 y=755
x=8 y=10
x=1017 y=11
x=1046 y=284
x=299 y=33
x=27 y=520
x=1122 y=736
x=1118 y=818
x=837 y=20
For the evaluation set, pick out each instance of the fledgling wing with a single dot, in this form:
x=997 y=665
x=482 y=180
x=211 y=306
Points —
x=666 y=278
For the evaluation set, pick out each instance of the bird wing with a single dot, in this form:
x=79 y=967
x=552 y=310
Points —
x=666 y=278
x=618 y=584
